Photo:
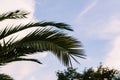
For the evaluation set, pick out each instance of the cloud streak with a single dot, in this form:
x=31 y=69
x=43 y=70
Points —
x=88 y=8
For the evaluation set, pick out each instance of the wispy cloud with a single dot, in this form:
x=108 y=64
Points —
x=88 y=8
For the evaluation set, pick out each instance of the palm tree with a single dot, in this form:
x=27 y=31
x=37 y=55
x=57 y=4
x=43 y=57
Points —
x=64 y=47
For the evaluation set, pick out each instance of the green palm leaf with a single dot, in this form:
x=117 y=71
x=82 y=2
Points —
x=11 y=30
x=18 y=14
x=64 y=47
x=60 y=44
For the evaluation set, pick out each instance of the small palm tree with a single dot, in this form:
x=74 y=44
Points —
x=64 y=47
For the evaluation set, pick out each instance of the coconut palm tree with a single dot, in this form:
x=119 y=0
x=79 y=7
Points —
x=64 y=47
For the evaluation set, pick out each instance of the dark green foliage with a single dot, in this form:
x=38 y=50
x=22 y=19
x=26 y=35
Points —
x=69 y=74
x=5 y=77
x=102 y=73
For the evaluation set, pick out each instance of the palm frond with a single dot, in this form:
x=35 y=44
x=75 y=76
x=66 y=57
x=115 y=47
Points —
x=58 y=25
x=64 y=47
x=14 y=15
x=9 y=60
x=25 y=59
x=60 y=44
x=11 y=30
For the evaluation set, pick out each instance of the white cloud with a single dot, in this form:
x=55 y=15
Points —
x=110 y=30
x=106 y=30
x=113 y=57
x=8 y=5
x=19 y=70
x=33 y=78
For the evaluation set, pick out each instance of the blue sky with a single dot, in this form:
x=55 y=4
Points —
x=95 y=22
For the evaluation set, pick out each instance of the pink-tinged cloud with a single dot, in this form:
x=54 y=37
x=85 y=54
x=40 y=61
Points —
x=113 y=57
